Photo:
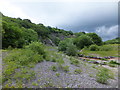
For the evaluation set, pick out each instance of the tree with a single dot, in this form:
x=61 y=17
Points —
x=95 y=38
x=83 y=41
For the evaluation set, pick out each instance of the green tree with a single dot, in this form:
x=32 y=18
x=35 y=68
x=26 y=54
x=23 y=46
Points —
x=95 y=38
x=83 y=41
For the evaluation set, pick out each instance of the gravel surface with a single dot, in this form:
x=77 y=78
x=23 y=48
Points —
x=45 y=77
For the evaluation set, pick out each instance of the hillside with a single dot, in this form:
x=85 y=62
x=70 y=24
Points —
x=38 y=56
x=113 y=41
x=25 y=31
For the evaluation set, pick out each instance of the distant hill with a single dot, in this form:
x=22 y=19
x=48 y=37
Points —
x=113 y=41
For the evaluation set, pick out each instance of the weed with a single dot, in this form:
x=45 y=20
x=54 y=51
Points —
x=34 y=84
x=74 y=61
x=77 y=71
x=103 y=75
x=65 y=68
x=57 y=74
x=54 y=68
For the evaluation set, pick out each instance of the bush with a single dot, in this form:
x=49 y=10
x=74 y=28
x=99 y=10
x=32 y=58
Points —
x=74 y=61
x=23 y=57
x=65 y=68
x=71 y=50
x=77 y=71
x=94 y=48
x=83 y=41
x=37 y=47
x=103 y=75
x=54 y=68
x=68 y=47
x=64 y=44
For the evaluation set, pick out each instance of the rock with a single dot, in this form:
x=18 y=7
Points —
x=103 y=63
x=96 y=62
x=84 y=60
x=87 y=56
x=80 y=55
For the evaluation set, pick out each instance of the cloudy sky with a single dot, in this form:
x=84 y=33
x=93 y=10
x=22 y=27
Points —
x=100 y=16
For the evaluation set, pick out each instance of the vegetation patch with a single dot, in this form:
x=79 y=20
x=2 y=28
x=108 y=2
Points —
x=77 y=71
x=74 y=61
x=54 y=68
x=103 y=75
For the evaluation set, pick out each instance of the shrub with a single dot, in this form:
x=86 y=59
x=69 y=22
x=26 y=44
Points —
x=114 y=62
x=71 y=50
x=54 y=68
x=103 y=75
x=77 y=71
x=57 y=74
x=37 y=47
x=74 y=61
x=64 y=44
x=23 y=57
x=94 y=48
x=65 y=68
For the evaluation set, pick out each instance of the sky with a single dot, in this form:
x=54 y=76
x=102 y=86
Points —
x=99 y=16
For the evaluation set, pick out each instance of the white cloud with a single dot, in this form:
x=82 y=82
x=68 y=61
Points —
x=10 y=9
x=107 y=33
x=65 y=0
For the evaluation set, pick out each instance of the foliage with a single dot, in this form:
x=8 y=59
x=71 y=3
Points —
x=16 y=36
x=37 y=47
x=94 y=48
x=95 y=38
x=57 y=74
x=113 y=41
x=79 y=34
x=17 y=32
x=65 y=68
x=103 y=75
x=83 y=41
x=77 y=71
x=68 y=47
x=114 y=62
x=74 y=61
x=54 y=68
x=105 y=48
x=71 y=50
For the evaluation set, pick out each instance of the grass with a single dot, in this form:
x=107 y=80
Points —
x=100 y=53
x=77 y=71
x=103 y=75
x=57 y=74
x=74 y=61
x=105 y=50
x=54 y=68
x=65 y=68
x=34 y=84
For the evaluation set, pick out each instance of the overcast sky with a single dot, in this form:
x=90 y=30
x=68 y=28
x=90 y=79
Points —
x=100 y=16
